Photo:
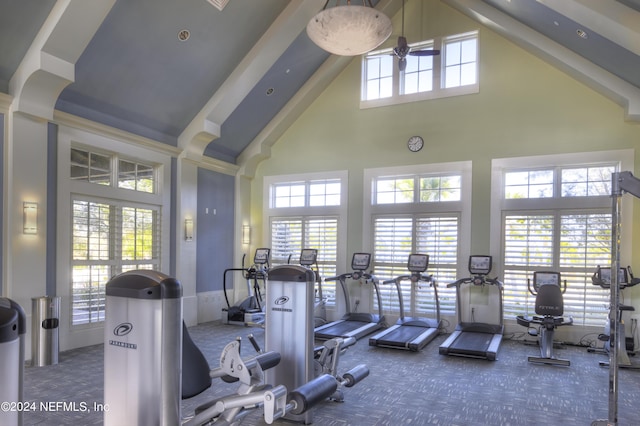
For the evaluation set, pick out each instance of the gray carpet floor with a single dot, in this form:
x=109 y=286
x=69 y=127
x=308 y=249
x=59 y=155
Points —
x=403 y=388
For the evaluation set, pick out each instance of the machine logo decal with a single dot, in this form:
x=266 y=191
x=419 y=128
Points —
x=123 y=329
x=281 y=300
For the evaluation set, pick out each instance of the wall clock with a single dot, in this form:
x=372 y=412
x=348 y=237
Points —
x=415 y=143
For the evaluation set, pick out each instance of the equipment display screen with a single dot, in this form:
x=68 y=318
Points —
x=543 y=278
x=418 y=262
x=480 y=264
x=360 y=261
x=605 y=276
x=262 y=256
x=308 y=257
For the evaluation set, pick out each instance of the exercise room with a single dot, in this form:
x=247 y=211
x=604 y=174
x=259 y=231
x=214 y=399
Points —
x=342 y=212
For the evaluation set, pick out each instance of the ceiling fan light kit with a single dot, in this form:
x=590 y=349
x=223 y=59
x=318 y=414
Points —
x=349 y=30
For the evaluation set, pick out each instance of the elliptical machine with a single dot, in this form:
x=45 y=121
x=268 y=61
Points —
x=549 y=307
x=602 y=278
x=248 y=311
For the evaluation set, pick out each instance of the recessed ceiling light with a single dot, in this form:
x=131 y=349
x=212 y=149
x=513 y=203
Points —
x=183 y=35
x=581 y=33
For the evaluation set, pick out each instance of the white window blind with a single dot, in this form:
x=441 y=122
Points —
x=570 y=235
x=395 y=237
x=289 y=235
x=108 y=238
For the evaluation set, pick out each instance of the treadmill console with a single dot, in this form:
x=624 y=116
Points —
x=308 y=257
x=604 y=275
x=360 y=261
x=541 y=278
x=262 y=256
x=479 y=265
x=418 y=262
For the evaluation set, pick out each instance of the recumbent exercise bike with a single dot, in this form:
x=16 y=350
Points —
x=549 y=309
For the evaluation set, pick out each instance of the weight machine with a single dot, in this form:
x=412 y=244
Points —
x=602 y=278
x=620 y=182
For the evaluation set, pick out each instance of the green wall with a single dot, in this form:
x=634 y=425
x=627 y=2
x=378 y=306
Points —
x=524 y=107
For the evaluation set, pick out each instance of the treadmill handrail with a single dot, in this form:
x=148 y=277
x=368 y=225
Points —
x=471 y=280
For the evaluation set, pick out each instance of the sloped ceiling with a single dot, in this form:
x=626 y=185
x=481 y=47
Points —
x=241 y=66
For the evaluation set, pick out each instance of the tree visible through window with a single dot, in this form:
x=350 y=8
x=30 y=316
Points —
x=566 y=237
x=109 y=236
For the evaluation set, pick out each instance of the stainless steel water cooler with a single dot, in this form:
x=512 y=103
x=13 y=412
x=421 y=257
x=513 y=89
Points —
x=143 y=349
x=13 y=328
x=289 y=328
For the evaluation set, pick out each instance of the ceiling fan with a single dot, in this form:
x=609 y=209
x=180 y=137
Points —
x=403 y=49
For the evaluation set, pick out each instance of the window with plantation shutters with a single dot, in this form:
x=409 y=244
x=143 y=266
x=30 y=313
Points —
x=419 y=209
x=308 y=212
x=556 y=217
x=109 y=235
x=108 y=239
x=290 y=235
x=395 y=238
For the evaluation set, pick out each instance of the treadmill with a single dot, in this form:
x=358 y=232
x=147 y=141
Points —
x=411 y=333
x=308 y=258
x=354 y=324
x=476 y=339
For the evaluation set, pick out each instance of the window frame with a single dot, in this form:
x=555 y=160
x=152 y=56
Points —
x=133 y=149
x=558 y=205
x=438 y=75
x=308 y=211
x=461 y=209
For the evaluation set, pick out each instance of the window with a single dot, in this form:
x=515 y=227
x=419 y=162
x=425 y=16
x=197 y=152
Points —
x=556 y=217
x=309 y=211
x=454 y=72
x=423 y=210
x=109 y=236
x=395 y=238
x=97 y=168
x=107 y=239
x=460 y=56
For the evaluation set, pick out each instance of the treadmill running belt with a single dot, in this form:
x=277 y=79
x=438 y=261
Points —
x=340 y=329
x=471 y=343
x=401 y=336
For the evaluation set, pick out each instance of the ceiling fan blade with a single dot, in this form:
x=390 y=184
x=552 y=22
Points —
x=430 y=52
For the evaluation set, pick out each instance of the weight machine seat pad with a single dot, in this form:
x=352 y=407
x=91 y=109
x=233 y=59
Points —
x=549 y=301
x=195 y=368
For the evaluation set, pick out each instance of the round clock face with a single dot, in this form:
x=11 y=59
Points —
x=415 y=143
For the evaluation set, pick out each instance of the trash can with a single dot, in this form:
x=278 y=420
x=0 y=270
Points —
x=13 y=328
x=143 y=349
x=45 y=331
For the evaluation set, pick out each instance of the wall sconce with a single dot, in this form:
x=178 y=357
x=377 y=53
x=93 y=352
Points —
x=30 y=218
x=188 y=229
x=246 y=234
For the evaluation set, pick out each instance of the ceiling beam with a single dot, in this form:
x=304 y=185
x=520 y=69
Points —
x=578 y=67
x=610 y=19
x=49 y=65
x=207 y=123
